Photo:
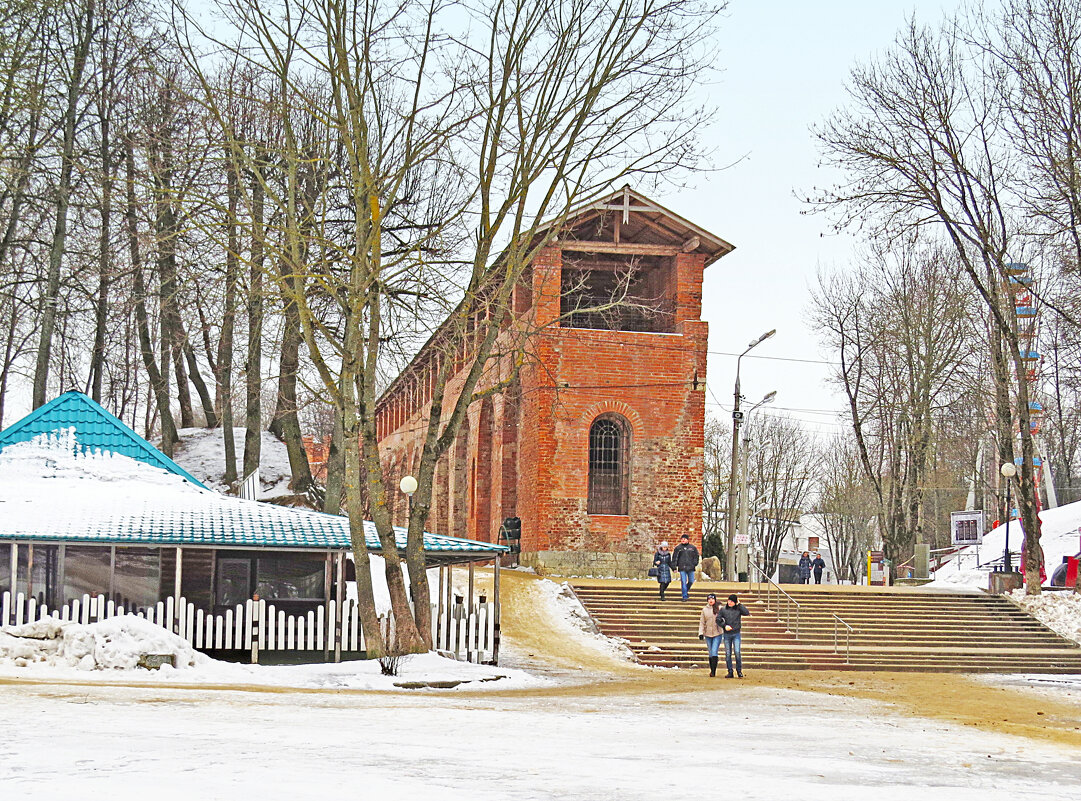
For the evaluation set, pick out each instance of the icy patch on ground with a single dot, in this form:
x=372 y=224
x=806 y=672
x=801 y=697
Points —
x=1059 y=611
x=566 y=612
x=117 y=643
x=1059 y=687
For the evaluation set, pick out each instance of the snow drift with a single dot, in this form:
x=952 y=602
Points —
x=117 y=643
x=1060 y=535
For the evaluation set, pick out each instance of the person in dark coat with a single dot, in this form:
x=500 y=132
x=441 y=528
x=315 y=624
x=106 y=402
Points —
x=818 y=564
x=730 y=620
x=685 y=560
x=662 y=562
x=805 y=568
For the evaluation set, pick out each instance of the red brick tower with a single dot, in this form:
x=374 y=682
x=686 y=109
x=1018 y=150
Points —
x=598 y=447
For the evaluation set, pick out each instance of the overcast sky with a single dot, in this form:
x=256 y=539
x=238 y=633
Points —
x=785 y=63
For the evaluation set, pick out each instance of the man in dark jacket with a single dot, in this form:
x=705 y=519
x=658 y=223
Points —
x=818 y=564
x=730 y=619
x=685 y=560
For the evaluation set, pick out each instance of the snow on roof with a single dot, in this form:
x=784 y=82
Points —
x=96 y=428
x=1060 y=535
x=54 y=489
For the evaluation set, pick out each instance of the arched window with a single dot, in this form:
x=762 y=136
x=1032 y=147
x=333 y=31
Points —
x=609 y=465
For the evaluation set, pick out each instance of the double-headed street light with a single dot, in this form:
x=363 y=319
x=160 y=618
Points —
x=1008 y=471
x=737 y=418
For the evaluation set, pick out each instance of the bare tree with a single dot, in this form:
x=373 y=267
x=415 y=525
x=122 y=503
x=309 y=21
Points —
x=900 y=327
x=716 y=475
x=782 y=476
x=526 y=111
x=847 y=507
x=923 y=145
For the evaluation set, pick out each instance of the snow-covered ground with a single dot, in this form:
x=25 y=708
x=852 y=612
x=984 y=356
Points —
x=1060 y=535
x=201 y=451
x=567 y=615
x=1059 y=611
x=733 y=740
x=110 y=650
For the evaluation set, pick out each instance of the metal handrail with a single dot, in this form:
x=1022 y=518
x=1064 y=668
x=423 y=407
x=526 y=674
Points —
x=848 y=636
x=772 y=586
x=789 y=600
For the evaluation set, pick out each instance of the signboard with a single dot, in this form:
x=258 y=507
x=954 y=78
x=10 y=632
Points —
x=966 y=528
x=742 y=539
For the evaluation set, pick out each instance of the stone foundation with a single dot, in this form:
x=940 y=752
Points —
x=599 y=564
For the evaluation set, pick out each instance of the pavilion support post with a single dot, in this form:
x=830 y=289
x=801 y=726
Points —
x=14 y=574
x=29 y=571
x=328 y=580
x=177 y=580
x=340 y=565
x=439 y=610
x=112 y=572
x=451 y=644
x=471 y=620
x=495 y=628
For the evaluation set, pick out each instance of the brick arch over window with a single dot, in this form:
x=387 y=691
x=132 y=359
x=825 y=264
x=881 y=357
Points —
x=609 y=465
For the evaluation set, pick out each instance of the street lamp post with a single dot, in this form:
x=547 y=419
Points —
x=743 y=488
x=409 y=485
x=737 y=418
x=1008 y=471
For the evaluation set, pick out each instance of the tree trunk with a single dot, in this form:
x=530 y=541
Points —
x=157 y=381
x=63 y=201
x=101 y=311
x=225 y=343
x=286 y=423
x=252 y=369
x=332 y=504
x=354 y=502
x=200 y=385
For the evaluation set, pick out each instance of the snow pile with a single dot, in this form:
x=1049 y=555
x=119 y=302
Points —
x=201 y=451
x=1059 y=611
x=1060 y=535
x=417 y=672
x=56 y=649
x=566 y=612
x=117 y=643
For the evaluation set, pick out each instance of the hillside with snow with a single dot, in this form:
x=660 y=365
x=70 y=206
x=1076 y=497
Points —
x=201 y=451
x=1060 y=536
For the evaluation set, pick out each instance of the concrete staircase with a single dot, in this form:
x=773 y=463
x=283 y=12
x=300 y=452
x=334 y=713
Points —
x=893 y=628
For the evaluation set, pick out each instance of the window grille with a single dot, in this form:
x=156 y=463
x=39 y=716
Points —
x=609 y=466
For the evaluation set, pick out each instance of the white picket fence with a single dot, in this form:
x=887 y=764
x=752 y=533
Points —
x=257 y=626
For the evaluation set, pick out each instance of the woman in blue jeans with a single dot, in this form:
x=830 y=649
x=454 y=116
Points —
x=710 y=631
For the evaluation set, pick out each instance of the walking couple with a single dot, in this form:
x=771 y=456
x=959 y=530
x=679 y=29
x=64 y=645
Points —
x=723 y=623
x=684 y=559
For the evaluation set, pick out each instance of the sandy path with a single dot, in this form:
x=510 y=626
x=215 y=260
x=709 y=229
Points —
x=950 y=697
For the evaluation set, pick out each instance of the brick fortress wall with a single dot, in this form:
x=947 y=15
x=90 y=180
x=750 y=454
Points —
x=525 y=451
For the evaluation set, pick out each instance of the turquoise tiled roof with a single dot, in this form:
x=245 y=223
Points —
x=208 y=519
x=95 y=429
x=161 y=509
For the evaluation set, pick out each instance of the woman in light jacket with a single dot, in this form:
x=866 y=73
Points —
x=662 y=561
x=710 y=631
